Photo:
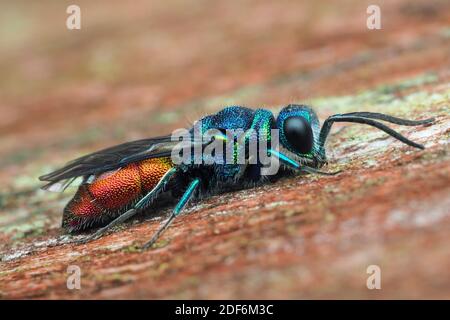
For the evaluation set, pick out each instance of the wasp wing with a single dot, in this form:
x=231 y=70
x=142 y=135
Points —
x=88 y=167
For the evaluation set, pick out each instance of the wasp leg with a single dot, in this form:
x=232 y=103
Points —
x=296 y=166
x=142 y=204
x=176 y=211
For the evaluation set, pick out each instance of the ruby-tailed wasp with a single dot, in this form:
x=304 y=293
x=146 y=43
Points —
x=120 y=181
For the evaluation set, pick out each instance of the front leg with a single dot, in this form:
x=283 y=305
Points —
x=298 y=167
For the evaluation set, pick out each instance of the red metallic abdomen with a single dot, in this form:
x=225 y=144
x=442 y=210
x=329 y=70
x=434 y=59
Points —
x=112 y=192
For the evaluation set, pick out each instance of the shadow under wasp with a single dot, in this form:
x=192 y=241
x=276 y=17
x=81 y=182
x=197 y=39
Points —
x=120 y=181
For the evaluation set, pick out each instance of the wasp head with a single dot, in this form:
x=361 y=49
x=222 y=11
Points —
x=299 y=131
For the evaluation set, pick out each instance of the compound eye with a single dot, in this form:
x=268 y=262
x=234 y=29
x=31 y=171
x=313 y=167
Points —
x=299 y=134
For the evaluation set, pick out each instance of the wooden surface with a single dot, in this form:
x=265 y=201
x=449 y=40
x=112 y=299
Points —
x=142 y=69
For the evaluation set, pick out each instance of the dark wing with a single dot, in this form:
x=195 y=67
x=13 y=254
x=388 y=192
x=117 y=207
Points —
x=110 y=159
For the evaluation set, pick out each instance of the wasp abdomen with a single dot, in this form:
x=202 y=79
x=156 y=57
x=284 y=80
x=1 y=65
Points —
x=111 y=192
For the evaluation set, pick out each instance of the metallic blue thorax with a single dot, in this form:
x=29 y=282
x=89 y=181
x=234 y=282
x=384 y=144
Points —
x=235 y=117
x=232 y=118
